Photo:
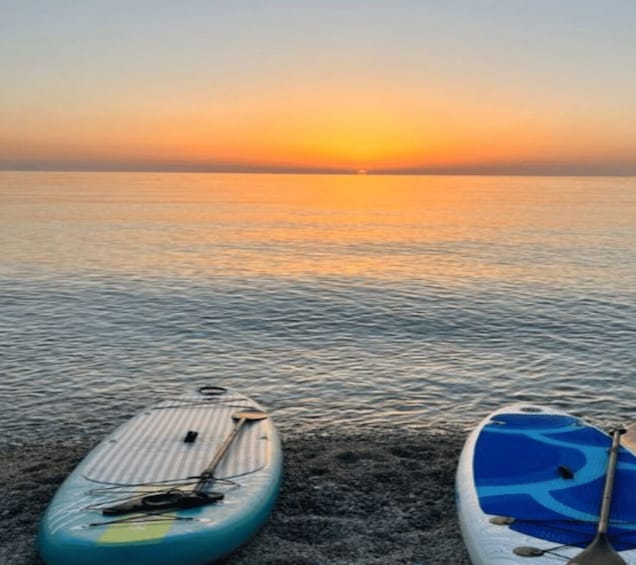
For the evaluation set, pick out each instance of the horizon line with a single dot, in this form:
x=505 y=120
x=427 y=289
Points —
x=532 y=169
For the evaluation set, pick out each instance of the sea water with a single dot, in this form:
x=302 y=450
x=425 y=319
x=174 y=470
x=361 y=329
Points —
x=335 y=301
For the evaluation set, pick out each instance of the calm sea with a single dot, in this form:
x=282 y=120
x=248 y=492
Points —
x=345 y=301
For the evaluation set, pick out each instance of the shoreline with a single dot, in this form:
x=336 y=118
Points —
x=355 y=497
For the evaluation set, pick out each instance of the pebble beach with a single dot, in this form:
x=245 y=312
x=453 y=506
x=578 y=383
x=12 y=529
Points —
x=357 y=497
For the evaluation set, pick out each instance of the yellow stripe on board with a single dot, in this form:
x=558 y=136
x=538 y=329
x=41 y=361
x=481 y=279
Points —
x=136 y=531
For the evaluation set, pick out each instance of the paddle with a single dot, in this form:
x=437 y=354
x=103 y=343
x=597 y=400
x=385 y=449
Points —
x=240 y=418
x=177 y=499
x=628 y=439
x=600 y=550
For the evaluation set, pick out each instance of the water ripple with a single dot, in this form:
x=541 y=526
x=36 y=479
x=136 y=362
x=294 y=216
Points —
x=427 y=308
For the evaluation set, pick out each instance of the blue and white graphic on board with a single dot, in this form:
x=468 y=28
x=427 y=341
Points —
x=185 y=482
x=533 y=477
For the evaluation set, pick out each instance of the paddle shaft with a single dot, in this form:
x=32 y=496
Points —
x=600 y=550
x=241 y=418
x=609 y=483
x=207 y=473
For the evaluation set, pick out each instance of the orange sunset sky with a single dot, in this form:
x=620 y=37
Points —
x=407 y=86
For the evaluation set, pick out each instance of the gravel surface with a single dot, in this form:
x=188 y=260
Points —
x=369 y=497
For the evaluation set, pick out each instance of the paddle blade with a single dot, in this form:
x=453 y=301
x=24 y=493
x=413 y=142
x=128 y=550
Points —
x=599 y=552
x=250 y=415
x=629 y=439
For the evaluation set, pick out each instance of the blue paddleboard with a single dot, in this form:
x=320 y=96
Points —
x=530 y=484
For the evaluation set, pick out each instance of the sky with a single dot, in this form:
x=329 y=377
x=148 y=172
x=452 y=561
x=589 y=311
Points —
x=393 y=86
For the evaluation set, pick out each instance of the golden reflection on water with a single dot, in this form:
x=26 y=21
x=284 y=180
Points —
x=442 y=229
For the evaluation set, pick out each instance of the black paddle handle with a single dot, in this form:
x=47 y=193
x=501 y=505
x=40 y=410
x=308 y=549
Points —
x=606 y=503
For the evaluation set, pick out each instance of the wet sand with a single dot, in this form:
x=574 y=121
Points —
x=368 y=498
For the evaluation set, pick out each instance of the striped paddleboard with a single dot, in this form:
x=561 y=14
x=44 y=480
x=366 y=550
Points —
x=530 y=484
x=161 y=451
